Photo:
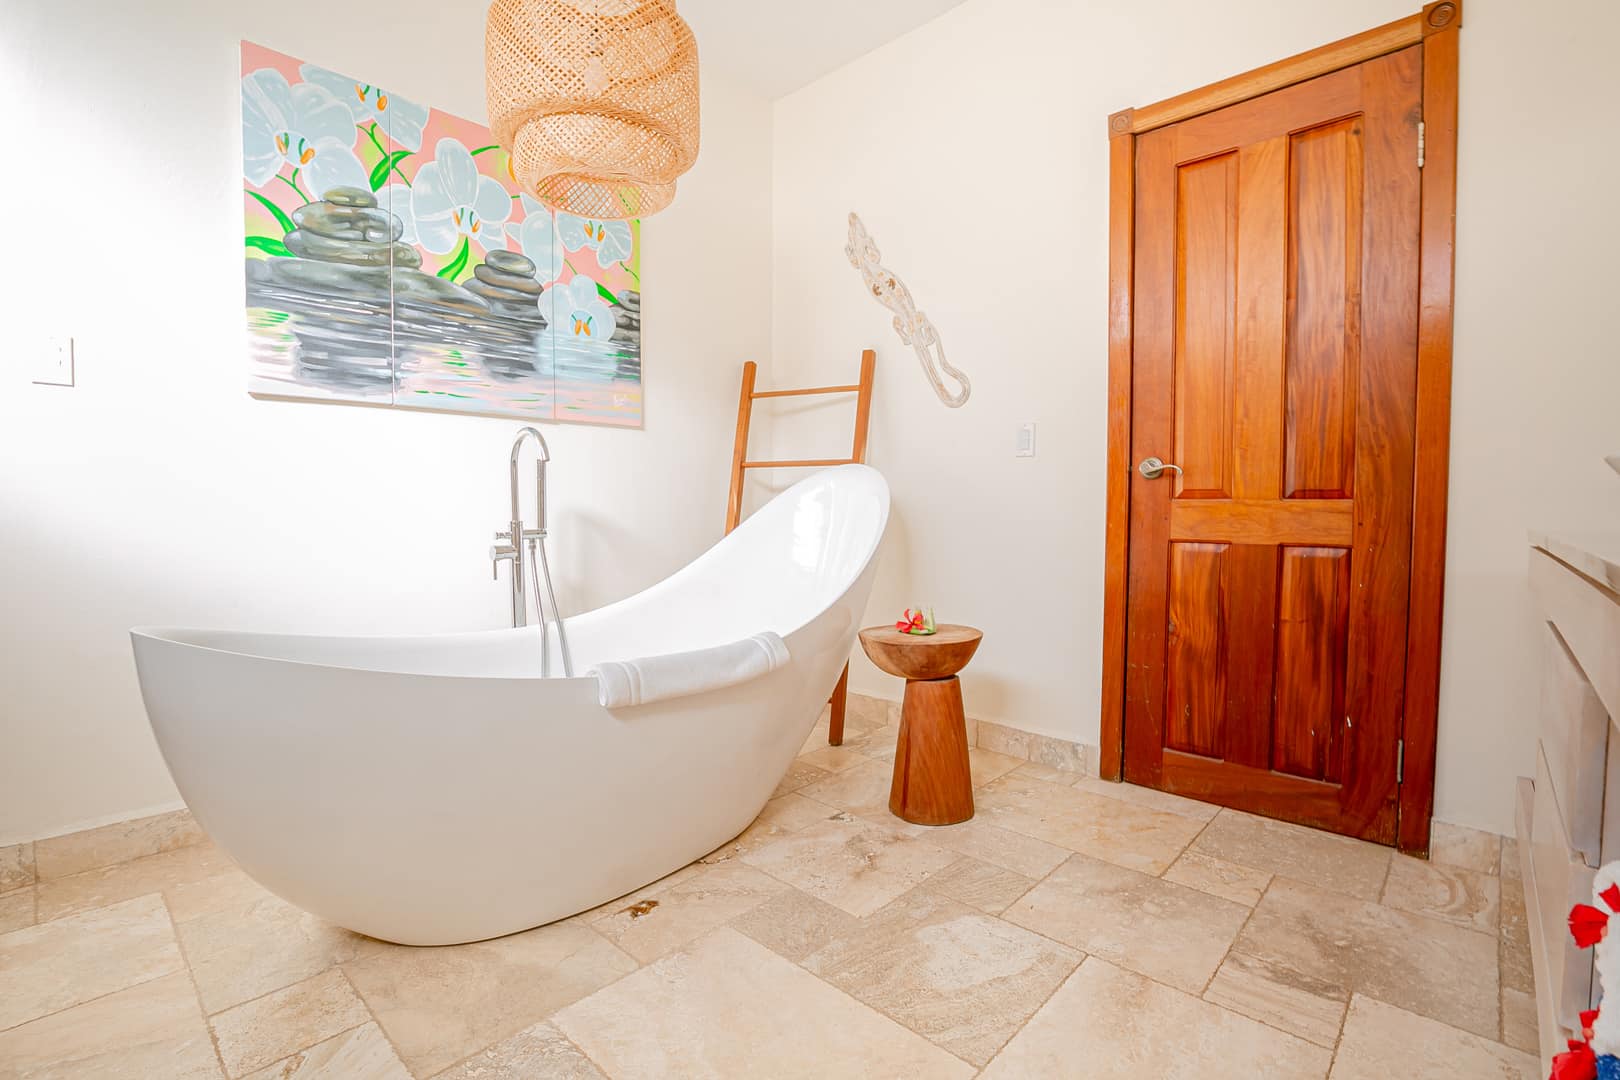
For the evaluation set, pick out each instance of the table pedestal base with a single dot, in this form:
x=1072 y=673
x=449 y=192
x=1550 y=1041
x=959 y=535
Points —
x=932 y=784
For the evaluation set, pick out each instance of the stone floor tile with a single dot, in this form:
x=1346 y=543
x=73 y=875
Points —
x=981 y=885
x=72 y=960
x=1105 y=1023
x=1240 y=884
x=1151 y=798
x=1508 y=861
x=865 y=785
x=1049 y=774
x=851 y=863
x=125 y=880
x=985 y=765
x=978 y=838
x=362 y=1053
x=282 y=1023
x=1155 y=927
x=759 y=1015
x=1520 y=1024
x=243 y=942
x=1120 y=832
x=793 y=924
x=1381 y=1041
x=834 y=758
x=1325 y=860
x=661 y=922
x=438 y=1006
x=1468 y=898
x=61 y=856
x=1471 y=849
x=963 y=979
x=800 y=773
x=1430 y=967
x=1279 y=996
x=151 y=1030
x=1513 y=937
x=663 y=884
x=17 y=909
x=782 y=816
x=537 y=1053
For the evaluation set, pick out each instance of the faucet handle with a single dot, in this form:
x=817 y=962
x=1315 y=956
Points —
x=497 y=554
x=504 y=535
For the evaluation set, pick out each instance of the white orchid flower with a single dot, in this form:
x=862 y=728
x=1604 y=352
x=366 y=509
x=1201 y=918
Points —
x=303 y=126
x=609 y=239
x=536 y=237
x=580 y=313
x=402 y=120
x=450 y=199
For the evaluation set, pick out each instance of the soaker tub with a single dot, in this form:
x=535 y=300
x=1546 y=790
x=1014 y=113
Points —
x=437 y=790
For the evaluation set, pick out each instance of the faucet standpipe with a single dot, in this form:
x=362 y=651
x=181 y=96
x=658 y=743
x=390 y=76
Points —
x=512 y=550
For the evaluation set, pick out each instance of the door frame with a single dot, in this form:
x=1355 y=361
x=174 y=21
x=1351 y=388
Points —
x=1435 y=29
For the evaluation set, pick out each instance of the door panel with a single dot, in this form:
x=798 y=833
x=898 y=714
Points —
x=1195 y=669
x=1275 y=362
x=1206 y=280
x=1324 y=303
x=1312 y=612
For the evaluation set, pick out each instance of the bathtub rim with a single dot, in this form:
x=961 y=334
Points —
x=182 y=635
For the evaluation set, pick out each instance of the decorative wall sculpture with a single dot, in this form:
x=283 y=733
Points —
x=912 y=325
x=391 y=260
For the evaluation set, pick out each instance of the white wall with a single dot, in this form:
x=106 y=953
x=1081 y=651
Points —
x=974 y=148
x=157 y=491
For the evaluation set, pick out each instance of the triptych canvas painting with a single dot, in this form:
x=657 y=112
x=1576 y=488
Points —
x=392 y=260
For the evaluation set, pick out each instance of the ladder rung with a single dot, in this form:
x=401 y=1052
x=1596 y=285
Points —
x=809 y=390
x=802 y=464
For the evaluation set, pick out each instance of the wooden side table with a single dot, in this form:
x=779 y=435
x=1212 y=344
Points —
x=932 y=784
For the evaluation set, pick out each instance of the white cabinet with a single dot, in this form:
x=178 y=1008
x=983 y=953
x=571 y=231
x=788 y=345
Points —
x=1569 y=816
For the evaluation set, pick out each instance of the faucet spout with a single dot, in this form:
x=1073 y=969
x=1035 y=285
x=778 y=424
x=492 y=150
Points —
x=543 y=455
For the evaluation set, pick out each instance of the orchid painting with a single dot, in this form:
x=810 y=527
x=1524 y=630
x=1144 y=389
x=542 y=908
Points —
x=391 y=259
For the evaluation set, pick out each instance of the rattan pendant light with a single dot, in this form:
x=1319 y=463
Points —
x=597 y=101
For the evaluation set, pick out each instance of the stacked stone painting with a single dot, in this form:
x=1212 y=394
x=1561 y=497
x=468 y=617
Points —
x=392 y=260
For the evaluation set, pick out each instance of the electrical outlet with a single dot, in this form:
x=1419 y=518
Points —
x=53 y=362
x=1024 y=445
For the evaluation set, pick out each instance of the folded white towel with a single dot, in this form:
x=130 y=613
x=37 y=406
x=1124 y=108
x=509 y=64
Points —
x=623 y=683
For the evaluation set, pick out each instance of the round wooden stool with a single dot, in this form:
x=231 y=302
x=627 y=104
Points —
x=932 y=785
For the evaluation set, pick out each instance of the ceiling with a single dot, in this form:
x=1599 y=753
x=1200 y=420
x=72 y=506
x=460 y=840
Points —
x=777 y=46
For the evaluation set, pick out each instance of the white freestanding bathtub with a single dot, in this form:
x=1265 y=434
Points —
x=436 y=790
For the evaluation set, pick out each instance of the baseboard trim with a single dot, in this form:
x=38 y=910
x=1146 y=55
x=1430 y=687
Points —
x=1050 y=750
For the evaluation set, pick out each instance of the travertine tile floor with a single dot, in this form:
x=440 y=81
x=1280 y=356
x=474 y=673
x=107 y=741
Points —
x=1074 y=928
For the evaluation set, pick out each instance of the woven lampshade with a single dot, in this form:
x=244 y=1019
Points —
x=597 y=101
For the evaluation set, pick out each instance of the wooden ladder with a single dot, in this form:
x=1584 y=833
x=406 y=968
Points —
x=857 y=456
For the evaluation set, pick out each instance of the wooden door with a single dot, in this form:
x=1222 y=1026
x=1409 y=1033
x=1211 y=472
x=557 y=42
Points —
x=1276 y=346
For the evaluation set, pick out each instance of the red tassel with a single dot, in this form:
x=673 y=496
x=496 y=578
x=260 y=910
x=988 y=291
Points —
x=1587 y=925
x=1579 y=1063
x=1611 y=896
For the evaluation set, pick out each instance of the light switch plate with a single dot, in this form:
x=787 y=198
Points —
x=53 y=362
x=1024 y=445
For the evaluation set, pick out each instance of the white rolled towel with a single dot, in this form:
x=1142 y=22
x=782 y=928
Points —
x=623 y=683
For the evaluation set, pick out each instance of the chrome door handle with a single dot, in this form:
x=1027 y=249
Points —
x=1152 y=468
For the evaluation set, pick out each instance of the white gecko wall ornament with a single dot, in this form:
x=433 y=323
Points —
x=912 y=325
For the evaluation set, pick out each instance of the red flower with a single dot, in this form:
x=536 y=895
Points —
x=1578 y=1063
x=912 y=620
x=1588 y=1018
x=1587 y=925
x=1611 y=896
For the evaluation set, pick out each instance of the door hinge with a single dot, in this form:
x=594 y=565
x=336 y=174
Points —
x=1400 y=761
x=1420 y=144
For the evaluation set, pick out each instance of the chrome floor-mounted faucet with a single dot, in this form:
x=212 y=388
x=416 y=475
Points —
x=516 y=542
